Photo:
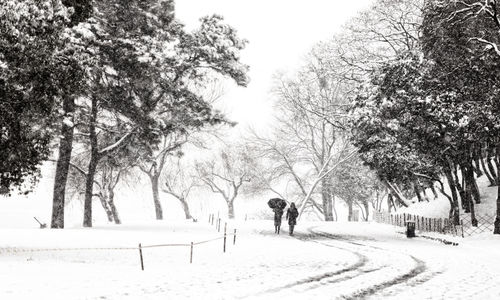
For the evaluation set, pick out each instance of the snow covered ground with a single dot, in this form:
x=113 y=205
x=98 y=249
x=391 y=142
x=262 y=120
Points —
x=322 y=261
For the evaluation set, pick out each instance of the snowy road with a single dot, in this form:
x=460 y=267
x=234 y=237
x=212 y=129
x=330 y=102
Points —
x=322 y=261
x=389 y=266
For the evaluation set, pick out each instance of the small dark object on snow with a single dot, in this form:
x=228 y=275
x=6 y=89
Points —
x=410 y=229
x=42 y=225
x=276 y=203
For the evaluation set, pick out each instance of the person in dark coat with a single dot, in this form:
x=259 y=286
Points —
x=278 y=214
x=291 y=215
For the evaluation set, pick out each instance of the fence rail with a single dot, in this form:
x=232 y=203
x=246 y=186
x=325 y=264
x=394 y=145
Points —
x=440 y=225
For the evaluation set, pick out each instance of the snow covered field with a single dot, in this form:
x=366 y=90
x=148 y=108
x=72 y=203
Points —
x=322 y=261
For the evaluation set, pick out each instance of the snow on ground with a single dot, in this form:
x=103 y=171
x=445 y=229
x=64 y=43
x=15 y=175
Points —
x=322 y=261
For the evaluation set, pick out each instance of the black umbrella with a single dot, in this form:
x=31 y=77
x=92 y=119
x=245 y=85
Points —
x=276 y=203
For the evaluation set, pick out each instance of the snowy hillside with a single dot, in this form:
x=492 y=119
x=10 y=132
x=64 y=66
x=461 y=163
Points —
x=440 y=207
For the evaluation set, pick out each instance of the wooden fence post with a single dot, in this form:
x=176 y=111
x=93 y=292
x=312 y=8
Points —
x=234 y=240
x=225 y=227
x=191 y=255
x=140 y=255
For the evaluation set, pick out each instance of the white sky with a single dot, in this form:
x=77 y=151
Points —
x=280 y=33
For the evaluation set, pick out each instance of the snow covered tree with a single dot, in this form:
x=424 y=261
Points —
x=145 y=71
x=461 y=37
x=42 y=71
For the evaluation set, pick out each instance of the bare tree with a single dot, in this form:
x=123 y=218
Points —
x=309 y=140
x=178 y=183
x=386 y=29
x=226 y=173
x=152 y=163
x=111 y=171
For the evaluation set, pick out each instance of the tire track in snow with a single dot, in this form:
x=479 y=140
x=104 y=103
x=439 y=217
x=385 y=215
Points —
x=360 y=262
x=418 y=269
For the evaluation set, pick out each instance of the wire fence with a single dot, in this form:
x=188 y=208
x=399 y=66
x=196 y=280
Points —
x=224 y=237
x=485 y=223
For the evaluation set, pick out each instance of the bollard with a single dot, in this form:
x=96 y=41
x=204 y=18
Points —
x=234 y=240
x=218 y=225
x=410 y=229
x=209 y=216
x=140 y=254
x=212 y=219
x=191 y=255
x=225 y=228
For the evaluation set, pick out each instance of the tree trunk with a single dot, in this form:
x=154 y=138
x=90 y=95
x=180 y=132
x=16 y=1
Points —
x=62 y=166
x=94 y=160
x=367 y=209
x=362 y=209
x=156 y=196
x=469 y=178
x=460 y=190
x=230 y=209
x=497 y=219
x=475 y=190
x=434 y=192
x=487 y=172
x=476 y=154
x=325 y=197
x=417 y=192
x=454 y=206
x=112 y=207
x=389 y=202
x=185 y=206
x=396 y=193
x=489 y=157
x=424 y=192
x=350 y=213
x=89 y=191
x=105 y=206
x=334 y=210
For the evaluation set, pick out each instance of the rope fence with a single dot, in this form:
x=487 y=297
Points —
x=140 y=247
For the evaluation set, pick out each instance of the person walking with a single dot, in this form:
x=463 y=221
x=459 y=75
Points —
x=291 y=215
x=278 y=214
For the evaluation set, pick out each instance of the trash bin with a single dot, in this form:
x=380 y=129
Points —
x=410 y=229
